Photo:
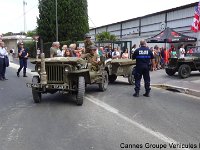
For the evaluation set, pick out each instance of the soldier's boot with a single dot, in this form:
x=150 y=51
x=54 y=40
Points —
x=18 y=73
x=25 y=75
x=146 y=94
x=136 y=94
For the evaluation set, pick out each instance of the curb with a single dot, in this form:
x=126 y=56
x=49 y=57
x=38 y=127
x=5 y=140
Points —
x=177 y=89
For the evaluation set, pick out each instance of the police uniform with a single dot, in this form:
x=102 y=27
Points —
x=143 y=56
x=22 y=61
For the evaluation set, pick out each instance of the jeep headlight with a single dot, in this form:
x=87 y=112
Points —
x=67 y=69
x=39 y=68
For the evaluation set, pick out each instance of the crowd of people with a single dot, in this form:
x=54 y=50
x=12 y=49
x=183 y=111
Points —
x=162 y=55
x=73 y=51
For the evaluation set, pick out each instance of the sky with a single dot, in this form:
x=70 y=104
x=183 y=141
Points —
x=101 y=12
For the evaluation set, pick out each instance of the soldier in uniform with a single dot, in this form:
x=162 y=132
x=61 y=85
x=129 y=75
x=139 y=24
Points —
x=144 y=57
x=87 y=43
x=92 y=58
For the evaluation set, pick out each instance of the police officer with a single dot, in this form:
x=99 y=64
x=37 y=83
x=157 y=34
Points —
x=23 y=56
x=92 y=58
x=144 y=57
x=87 y=43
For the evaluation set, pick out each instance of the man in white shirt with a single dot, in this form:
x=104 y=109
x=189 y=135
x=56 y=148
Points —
x=181 y=51
x=115 y=54
x=3 y=54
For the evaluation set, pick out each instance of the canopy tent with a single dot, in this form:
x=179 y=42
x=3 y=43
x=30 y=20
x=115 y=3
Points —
x=170 y=36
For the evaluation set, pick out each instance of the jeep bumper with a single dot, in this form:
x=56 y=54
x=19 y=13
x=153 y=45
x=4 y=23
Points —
x=48 y=86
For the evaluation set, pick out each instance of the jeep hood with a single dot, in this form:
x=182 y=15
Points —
x=70 y=60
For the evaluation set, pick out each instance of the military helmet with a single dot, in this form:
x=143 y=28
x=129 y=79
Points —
x=87 y=35
x=93 y=47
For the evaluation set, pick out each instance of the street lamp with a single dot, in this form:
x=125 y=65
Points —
x=56 y=20
x=36 y=37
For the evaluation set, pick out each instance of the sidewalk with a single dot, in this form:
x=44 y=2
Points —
x=160 y=79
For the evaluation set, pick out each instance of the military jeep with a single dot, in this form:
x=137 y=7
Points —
x=120 y=67
x=184 y=66
x=66 y=75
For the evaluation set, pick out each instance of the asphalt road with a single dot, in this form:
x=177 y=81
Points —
x=105 y=120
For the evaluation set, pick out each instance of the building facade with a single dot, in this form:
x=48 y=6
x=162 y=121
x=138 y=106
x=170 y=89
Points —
x=180 y=19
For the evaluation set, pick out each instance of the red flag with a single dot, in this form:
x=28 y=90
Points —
x=196 y=21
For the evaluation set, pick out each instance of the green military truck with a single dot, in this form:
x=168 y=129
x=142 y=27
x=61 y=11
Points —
x=184 y=66
x=67 y=75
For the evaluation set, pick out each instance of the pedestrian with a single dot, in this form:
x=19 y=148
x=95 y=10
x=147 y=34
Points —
x=11 y=54
x=125 y=54
x=3 y=61
x=23 y=56
x=181 y=51
x=133 y=48
x=64 y=48
x=144 y=57
x=115 y=54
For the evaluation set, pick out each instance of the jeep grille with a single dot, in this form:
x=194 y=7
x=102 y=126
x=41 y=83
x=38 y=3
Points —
x=54 y=73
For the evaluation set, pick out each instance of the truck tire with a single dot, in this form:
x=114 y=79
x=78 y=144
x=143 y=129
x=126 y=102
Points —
x=81 y=91
x=184 y=71
x=170 y=72
x=104 y=84
x=37 y=96
x=112 y=78
x=131 y=79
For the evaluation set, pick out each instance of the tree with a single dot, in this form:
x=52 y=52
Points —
x=72 y=20
x=31 y=33
x=105 y=36
x=8 y=33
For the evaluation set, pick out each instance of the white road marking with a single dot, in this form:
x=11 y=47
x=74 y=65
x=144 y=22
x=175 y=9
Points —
x=117 y=113
x=140 y=126
x=16 y=66
x=14 y=134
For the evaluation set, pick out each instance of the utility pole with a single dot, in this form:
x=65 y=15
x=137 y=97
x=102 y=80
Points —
x=24 y=3
x=56 y=20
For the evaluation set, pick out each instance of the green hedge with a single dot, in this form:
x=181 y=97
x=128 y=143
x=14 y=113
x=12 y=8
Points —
x=30 y=45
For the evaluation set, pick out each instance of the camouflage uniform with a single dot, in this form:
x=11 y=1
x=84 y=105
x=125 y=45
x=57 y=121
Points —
x=87 y=46
x=92 y=58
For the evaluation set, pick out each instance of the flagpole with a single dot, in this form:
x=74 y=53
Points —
x=24 y=3
x=56 y=20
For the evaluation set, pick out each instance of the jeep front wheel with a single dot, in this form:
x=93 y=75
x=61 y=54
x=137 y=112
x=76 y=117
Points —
x=104 y=83
x=184 y=71
x=81 y=91
x=170 y=72
x=37 y=96
x=131 y=78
